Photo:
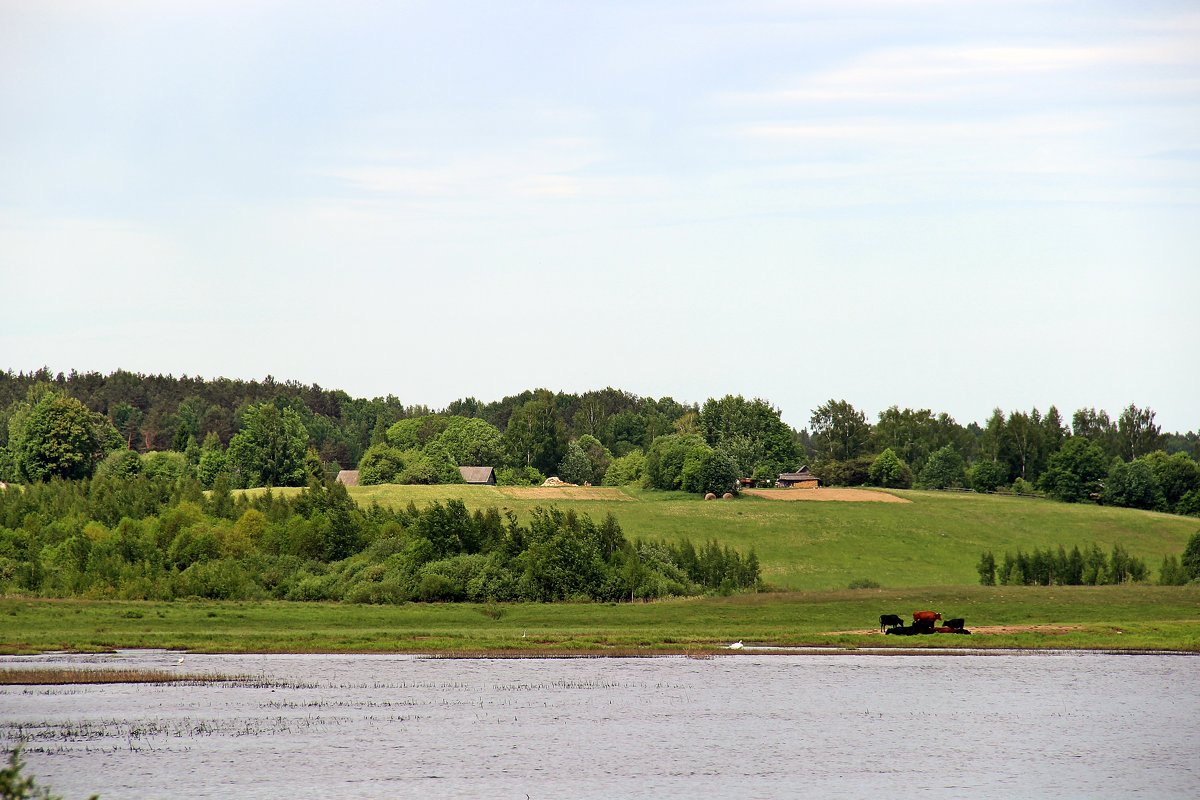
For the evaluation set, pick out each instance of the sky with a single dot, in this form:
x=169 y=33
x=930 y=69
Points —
x=924 y=203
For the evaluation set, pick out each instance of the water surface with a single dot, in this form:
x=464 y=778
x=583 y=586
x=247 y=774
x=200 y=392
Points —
x=746 y=726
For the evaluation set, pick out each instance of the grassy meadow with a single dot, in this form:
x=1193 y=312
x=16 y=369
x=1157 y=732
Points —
x=922 y=553
x=934 y=540
x=1066 y=617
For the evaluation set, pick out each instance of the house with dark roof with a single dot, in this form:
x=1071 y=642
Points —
x=485 y=476
x=800 y=479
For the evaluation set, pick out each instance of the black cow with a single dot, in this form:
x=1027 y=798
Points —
x=889 y=621
x=900 y=630
x=923 y=625
x=956 y=623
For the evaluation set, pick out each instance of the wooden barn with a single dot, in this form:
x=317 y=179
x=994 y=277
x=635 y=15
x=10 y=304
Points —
x=483 y=476
x=800 y=479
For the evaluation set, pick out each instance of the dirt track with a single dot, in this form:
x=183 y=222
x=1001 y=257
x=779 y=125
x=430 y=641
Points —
x=836 y=495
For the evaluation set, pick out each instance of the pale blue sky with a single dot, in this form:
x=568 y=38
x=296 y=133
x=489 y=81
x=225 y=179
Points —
x=950 y=205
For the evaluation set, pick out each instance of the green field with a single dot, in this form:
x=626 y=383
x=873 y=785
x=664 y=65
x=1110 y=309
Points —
x=810 y=550
x=935 y=540
x=1078 y=617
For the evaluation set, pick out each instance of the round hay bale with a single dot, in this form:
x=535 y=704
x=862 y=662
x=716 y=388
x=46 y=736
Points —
x=710 y=496
x=727 y=496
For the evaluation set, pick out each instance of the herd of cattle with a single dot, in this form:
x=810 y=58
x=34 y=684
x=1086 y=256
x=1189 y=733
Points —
x=923 y=622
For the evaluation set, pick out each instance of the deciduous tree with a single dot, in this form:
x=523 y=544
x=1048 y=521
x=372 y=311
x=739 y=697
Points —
x=943 y=470
x=889 y=471
x=58 y=439
x=839 y=430
x=1075 y=471
x=269 y=449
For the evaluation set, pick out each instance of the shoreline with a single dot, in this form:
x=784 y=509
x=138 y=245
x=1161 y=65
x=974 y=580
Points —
x=622 y=653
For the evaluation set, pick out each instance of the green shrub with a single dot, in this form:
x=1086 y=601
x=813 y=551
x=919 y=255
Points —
x=889 y=471
x=988 y=476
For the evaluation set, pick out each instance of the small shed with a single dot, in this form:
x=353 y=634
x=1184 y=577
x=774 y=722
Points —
x=485 y=476
x=348 y=477
x=800 y=479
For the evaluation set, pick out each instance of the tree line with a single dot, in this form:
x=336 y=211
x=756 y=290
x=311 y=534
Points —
x=161 y=538
x=1087 y=567
x=283 y=434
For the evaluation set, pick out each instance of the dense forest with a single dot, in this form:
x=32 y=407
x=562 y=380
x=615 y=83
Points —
x=267 y=433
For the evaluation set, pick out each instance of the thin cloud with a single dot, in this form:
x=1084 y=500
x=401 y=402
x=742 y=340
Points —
x=955 y=72
x=901 y=132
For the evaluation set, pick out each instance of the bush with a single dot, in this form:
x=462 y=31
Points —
x=120 y=464
x=988 y=476
x=575 y=467
x=1133 y=485
x=519 y=476
x=852 y=472
x=943 y=470
x=669 y=457
x=1189 y=504
x=166 y=464
x=987 y=569
x=380 y=464
x=1074 y=473
x=628 y=469
x=889 y=471
x=717 y=473
x=1022 y=486
x=314 y=588
x=1171 y=573
x=1190 y=560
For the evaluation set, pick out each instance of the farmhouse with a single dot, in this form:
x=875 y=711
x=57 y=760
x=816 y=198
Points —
x=478 y=475
x=800 y=479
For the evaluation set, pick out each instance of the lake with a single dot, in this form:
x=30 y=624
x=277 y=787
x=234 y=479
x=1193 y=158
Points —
x=750 y=725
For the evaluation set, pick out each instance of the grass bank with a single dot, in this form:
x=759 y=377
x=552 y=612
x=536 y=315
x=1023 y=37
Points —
x=1106 y=618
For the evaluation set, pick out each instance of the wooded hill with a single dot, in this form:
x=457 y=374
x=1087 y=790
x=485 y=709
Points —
x=272 y=433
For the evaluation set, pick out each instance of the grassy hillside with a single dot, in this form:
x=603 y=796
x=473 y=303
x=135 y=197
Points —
x=934 y=540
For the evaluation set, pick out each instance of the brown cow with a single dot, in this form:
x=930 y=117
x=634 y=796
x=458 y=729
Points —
x=922 y=616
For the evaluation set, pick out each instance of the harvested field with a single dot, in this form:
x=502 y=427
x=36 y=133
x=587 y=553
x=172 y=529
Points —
x=836 y=495
x=551 y=493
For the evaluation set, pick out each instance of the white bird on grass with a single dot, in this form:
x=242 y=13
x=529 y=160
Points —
x=736 y=645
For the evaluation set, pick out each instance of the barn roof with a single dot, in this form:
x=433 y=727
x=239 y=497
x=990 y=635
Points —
x=348 y=477
x=800 y=475
x=477 y=474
